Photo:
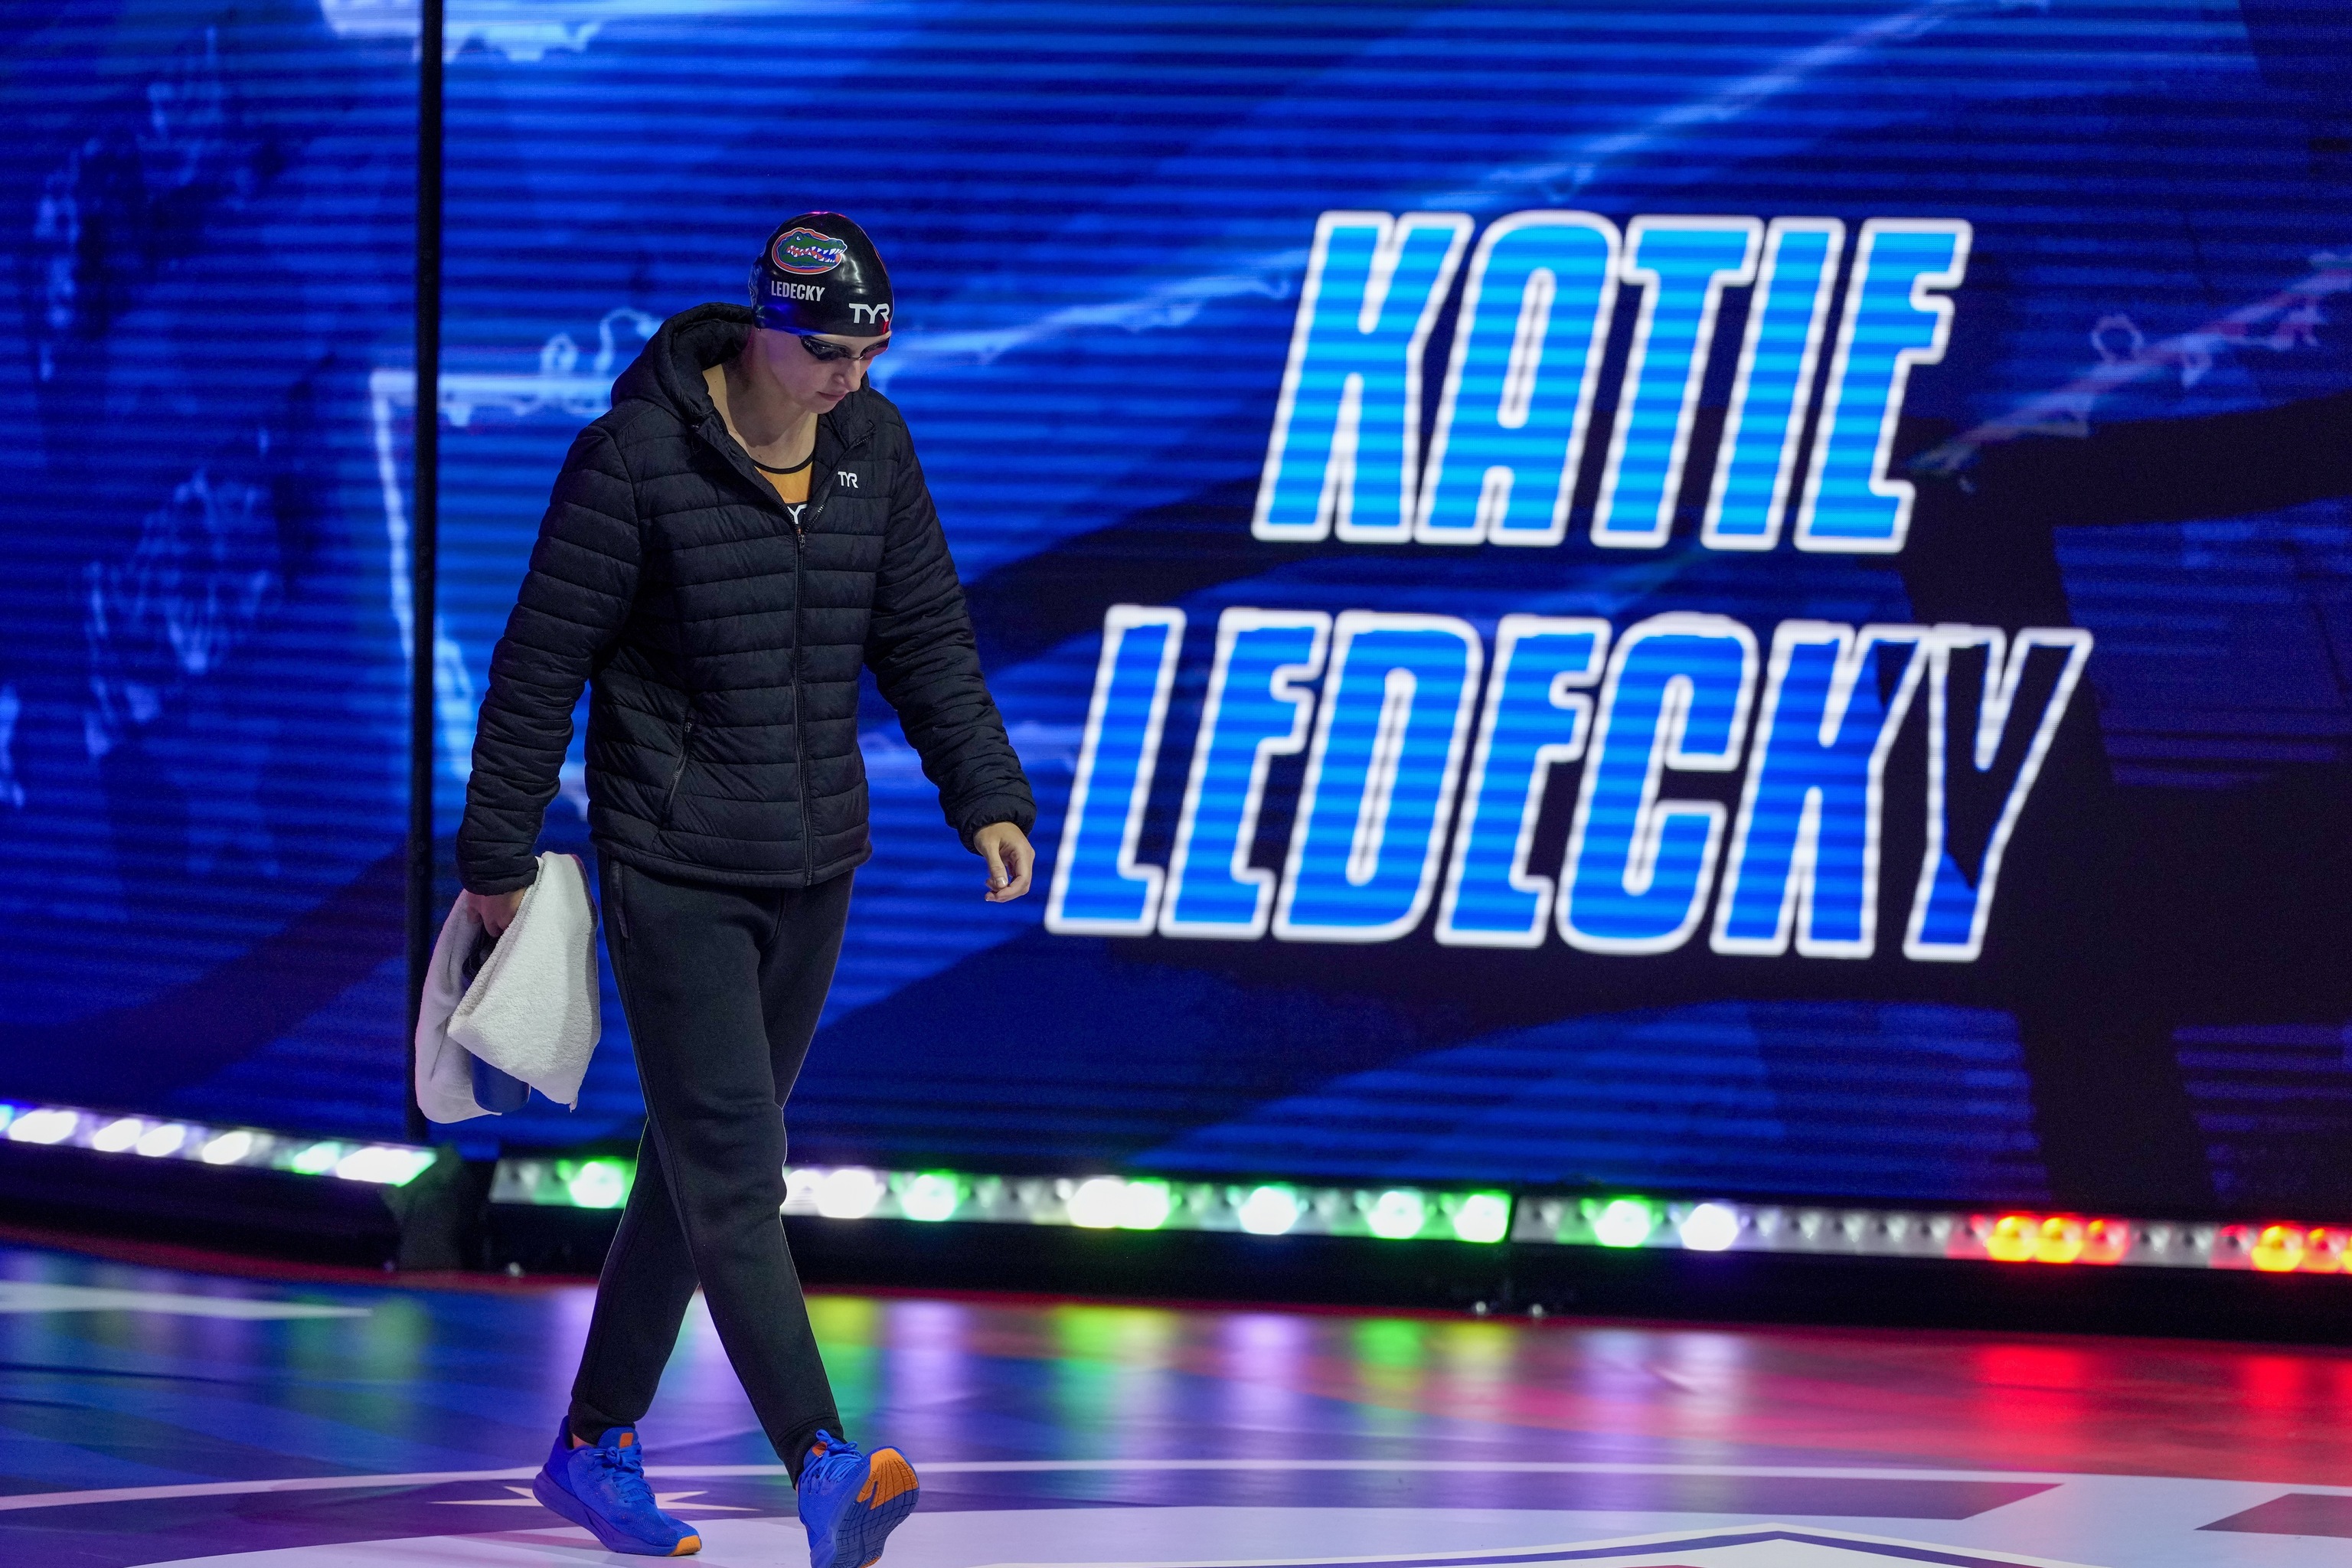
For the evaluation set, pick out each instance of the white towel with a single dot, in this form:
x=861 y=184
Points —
x=532 y=1012
x=445 y=1073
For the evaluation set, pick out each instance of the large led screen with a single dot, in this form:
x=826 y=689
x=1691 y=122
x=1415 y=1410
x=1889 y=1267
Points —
x=207 y=211
x=1749 y=598
x=1739 y=597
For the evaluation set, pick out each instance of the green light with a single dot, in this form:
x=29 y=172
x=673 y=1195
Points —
x=1486 y=1217
x=932 y=1196
x=1145 y=1206
x=317 y=1160
x=1113 y=1203
x=1624 y=1222
x=1270 y=1210
x=1095 y=1204
x=600 y=1184
x=385 y=1165
x=1397 y=1215
x=1389 y=1344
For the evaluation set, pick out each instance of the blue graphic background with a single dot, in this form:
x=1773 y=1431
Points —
x=1098 y=221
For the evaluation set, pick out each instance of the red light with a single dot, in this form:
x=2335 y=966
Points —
x=2323 y=1251
x=2107 y=1241
x=2015 y=1239
x=2061 y=1240
x=2279 y=1249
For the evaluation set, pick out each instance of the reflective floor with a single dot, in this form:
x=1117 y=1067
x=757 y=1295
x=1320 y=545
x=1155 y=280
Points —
x=154 y=1415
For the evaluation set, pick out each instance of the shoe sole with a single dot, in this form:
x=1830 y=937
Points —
x=555 y=1498
x=883 y=1503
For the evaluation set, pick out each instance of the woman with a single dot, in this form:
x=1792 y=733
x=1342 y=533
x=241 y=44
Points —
x=745 y=530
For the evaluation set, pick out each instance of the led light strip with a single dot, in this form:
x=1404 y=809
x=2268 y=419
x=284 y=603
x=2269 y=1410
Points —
x=1997 y=1237
x=1400 y=1213
x=1092 y=1202
x=1272 y=1208
x=159 y=1138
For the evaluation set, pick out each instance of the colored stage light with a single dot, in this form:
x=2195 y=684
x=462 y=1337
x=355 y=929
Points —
x=851 y=1192
x=1397 y=1215
x=227 y=1149
x=2107 y=1241
x=1624 y=1222
x=161 y=1141
x=1094 y=1206
x=1276 y=1208
x=2060 y=1240
x=2014 y=1237
x=1146 y=1205
x=1483 y=1217
x=1270 y=1210
x=385 y=1165
x=317 y=1160
x=932 y=1196
x=44 y=1126
x=1709 y=1227
x=2324 y=1251
x=2278 y=1248
x=600 y=1184
x=117 y=1135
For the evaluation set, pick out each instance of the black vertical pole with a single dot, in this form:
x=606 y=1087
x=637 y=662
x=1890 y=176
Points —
x=423 y=527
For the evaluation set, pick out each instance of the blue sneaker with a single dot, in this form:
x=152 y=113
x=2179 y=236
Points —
x=603 y=1490
x=851 y=1501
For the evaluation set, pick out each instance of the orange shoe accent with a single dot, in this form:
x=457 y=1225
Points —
x=887 y=1476
x=687 y=1547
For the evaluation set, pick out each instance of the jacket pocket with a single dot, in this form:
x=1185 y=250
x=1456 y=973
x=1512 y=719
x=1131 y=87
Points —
x=685 y=745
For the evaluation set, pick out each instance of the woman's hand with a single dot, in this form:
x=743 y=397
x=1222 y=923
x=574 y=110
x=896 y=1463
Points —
x=497 y=910
x=1010 y=860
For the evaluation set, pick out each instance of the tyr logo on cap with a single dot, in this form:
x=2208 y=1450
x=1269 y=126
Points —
x=806 y=252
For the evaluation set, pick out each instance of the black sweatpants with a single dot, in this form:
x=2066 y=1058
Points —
x=722 y=987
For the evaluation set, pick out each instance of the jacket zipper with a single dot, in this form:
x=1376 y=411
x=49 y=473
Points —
x=685 y=740
x=812 y=508
x=800 y=729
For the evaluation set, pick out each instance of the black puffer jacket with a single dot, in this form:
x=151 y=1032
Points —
x=724 y=645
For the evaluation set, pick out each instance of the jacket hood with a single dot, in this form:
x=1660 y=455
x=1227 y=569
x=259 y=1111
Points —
x=667 y=373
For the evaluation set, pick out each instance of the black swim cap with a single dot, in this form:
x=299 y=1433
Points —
x=819 y=273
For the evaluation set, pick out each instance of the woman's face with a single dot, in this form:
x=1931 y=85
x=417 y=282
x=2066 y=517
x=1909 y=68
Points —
x=819 y=372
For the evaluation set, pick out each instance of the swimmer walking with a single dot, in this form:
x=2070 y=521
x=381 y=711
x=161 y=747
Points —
x=745 y=530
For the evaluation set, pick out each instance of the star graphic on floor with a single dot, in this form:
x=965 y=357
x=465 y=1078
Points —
x=522 y=1499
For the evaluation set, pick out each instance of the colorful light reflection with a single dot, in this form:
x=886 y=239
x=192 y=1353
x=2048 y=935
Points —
x=98 y=1133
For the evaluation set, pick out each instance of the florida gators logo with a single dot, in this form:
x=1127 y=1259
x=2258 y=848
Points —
x=806 y=252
